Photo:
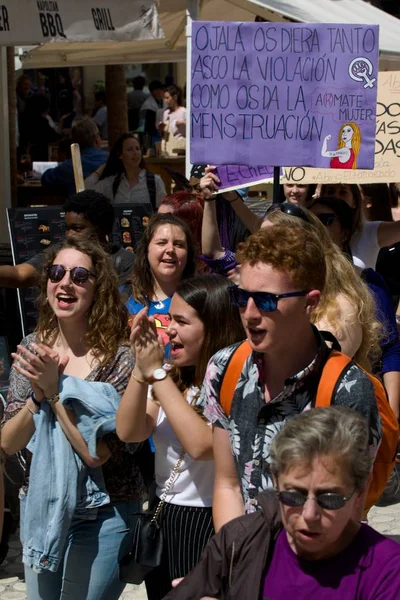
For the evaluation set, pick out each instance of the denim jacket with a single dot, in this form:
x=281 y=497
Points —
x=60 y=483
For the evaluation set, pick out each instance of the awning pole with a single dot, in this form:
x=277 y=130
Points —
x=192 y=14
x=5 y=182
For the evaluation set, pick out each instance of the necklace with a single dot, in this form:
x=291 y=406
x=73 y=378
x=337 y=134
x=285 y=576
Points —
x=160 y=303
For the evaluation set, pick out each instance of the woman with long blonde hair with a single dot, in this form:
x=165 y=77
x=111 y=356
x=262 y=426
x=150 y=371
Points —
x=366 y=237
x=335 y=215
x=347 y=309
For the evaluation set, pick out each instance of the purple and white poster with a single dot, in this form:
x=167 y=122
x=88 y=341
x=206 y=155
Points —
x=284 y=94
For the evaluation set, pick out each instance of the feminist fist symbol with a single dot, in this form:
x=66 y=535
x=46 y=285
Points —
x=360 y=69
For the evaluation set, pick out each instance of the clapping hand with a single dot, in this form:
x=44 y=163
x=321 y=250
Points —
x=146 y=344
x=42 y=366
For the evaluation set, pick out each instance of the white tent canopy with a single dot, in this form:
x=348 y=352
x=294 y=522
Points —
x=172 y=47
x=27 y=22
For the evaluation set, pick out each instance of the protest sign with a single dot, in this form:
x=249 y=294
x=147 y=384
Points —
x=280 y=93
x=233 y=177
x=387 y=144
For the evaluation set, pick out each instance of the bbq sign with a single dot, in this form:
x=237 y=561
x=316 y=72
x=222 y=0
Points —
x=50 y=19
x=77 y=21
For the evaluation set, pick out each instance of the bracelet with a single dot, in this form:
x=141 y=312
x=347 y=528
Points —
x=31 y=411
x=35 y=402
x=138 y=380
x=53 y=399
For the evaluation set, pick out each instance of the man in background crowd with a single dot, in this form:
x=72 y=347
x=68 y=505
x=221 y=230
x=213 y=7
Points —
x=152 y=109
x=85 y=133
x=100 y=117
x=135 y=100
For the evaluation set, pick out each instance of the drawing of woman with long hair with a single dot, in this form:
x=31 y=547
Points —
x=348 y=148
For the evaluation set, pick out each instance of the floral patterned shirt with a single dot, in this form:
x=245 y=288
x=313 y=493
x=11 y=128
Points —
x=121 y=473
x=253 y=423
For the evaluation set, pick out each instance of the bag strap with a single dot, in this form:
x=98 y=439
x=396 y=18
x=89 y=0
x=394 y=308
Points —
x=168 y=486
x=151 y=188
x=232 y=374
x=331 y=373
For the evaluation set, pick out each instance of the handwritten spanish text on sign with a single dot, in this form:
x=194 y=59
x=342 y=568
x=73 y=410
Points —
x=278 y=94
x=387 y=144
x=236 y=176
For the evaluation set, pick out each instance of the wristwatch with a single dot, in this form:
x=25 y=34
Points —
x=53 y=399
x=158 y=375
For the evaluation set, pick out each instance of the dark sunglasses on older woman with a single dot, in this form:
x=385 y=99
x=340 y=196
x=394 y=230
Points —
x=263 y=300
x=79 y=275
x=327 y=500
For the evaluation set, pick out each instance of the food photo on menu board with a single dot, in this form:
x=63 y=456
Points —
x=129 y=224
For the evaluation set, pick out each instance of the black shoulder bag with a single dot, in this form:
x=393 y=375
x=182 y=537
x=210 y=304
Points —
x=148 y=540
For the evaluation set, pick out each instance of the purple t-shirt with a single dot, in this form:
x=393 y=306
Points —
x=368 y=569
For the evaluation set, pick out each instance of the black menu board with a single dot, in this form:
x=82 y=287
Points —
x=129 y=223
x=32 y=230
x=5 y=366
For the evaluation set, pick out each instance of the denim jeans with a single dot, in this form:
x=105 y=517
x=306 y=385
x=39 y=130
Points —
x=96 y=541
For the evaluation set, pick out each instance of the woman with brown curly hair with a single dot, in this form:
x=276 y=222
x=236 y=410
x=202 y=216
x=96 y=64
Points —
x=165 y=255
x=84 y=486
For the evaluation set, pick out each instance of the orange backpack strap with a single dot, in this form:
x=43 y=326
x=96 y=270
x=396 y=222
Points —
x=331 y=375
x=332 y=372
x=386 y=455
x=232 y=374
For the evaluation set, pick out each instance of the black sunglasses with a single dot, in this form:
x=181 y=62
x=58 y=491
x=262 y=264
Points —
x=263 y=300
x=328 y=501
x=79 y=275
x=294 y=210
x=326 y=218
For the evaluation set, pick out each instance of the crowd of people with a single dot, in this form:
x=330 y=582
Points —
x=256 y=362
x=157 y=117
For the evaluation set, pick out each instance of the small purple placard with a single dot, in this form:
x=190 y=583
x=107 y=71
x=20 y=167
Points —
x=242 y=176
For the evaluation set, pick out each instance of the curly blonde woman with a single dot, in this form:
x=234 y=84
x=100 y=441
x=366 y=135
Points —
x=347 y=308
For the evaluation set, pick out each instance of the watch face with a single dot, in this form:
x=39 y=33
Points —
x=159 y=374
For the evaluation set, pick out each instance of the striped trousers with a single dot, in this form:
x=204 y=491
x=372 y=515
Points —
x=186 y=531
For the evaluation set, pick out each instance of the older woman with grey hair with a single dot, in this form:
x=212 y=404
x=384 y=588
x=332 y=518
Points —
x=306 y=541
